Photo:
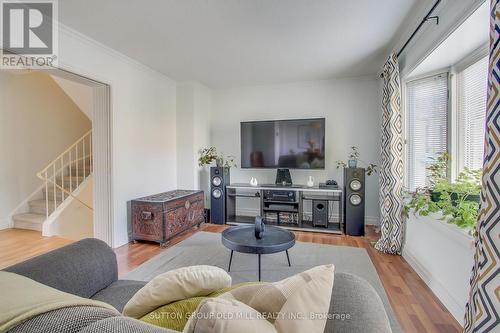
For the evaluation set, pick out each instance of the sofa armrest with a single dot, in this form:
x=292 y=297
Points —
x=82 y=268
x=354 y=297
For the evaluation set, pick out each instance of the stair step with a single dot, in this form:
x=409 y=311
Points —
x=58 y=195
x=68 y=182
x=28 y=221
x=80 y=172
x=87 y=162
x=38 y=206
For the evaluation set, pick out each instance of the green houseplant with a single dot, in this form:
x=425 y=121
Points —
x=352 y=162
x=209 y=155
x=458 y=201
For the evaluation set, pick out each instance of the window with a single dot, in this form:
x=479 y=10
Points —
x=427 y=119
x=472 y=84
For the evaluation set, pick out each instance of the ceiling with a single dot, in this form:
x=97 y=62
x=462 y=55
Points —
x=467 y=38
x=227 y=43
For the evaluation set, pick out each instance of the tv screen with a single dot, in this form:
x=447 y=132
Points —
x=292 y=144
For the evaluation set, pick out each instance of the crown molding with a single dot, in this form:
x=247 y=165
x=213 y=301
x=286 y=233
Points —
x=88 y=41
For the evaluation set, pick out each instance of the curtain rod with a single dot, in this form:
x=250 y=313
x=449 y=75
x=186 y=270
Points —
x=425 y=19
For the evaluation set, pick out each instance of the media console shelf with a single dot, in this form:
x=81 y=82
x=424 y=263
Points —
x=244 y=202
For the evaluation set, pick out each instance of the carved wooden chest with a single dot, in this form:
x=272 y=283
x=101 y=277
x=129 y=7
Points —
x=162 y=216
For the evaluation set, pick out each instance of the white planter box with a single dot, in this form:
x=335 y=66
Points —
x=443 y=255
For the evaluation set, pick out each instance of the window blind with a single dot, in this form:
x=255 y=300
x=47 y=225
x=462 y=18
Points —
x=472 y=85
x=427 y=119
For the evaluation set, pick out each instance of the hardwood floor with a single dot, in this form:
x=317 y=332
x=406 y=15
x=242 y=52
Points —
x=416 y=307
x=17 y=245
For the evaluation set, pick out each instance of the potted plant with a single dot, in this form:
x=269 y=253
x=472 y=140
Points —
x=210 y=155
x=352 y=162
x=458 y=201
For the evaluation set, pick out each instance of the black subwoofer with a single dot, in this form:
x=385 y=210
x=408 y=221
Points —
x=320 y=213
x=219 y=178
x=354 y=201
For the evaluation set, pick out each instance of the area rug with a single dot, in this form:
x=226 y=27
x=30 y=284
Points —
x=205 y=248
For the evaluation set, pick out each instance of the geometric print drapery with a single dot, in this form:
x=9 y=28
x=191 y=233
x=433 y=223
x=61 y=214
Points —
x=483 y=308
x=391 y=166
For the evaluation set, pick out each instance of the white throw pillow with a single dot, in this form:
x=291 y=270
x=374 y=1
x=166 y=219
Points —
x=176 y=285
x=217 y=315
x=296 y=304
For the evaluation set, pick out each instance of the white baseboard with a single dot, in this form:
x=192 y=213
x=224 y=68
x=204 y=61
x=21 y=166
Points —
x=440 y=290
x=5 y=224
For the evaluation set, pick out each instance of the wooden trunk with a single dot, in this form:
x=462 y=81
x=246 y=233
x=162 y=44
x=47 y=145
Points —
x=162 y=216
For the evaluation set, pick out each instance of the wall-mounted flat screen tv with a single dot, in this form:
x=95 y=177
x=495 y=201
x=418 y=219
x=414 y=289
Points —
x=291 y=144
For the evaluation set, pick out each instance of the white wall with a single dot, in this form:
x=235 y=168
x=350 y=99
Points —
x=74 y=220
x=37 y=123
x=143 y=122
x=194 y=102
x=351 y=107
x=79 y=93
x=451 y=14
x=443 y=256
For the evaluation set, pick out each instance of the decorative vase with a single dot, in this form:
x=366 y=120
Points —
x=310 y=182
x=260 y=227
x=352 y=163
x=219 y=162
x=254 y=181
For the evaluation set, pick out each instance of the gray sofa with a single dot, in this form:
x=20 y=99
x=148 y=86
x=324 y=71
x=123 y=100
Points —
x=88 y=268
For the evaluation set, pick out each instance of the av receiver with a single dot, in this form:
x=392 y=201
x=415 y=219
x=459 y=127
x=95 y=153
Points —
x=279 y=195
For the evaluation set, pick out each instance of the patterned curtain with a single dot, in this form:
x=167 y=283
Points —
x=391 y=169
x=482 y=310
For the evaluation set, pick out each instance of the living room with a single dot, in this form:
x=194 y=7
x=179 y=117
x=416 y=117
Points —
x=285 y=150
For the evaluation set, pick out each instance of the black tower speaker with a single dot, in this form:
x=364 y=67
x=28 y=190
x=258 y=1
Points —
x=320 y=213
x=219 y=178
x=354 y=201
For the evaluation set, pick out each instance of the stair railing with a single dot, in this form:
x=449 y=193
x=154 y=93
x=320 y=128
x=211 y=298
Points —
x=66 y=169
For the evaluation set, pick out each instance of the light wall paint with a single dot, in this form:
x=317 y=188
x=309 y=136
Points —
x=37 y=123
x=443 y=256
x=75 y=220
x=143 y=133
x=80 y=94
x=471 y=35
x=351 y=107
x=194 y=103
x=230 y=43
x=451 y=14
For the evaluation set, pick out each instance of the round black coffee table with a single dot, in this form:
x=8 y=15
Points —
x=242 y=239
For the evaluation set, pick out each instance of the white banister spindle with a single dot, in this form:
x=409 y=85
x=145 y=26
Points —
x=54 y=187
x=61 y=172
x=70 y=167
x=91 y=154
x=77 y=166
x=46 y=194
x=84 y=159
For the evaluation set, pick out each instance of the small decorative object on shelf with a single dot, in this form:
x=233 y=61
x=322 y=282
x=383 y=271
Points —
x=254 y=181
x=352 y=162
x=310 y=182
x=260 y=227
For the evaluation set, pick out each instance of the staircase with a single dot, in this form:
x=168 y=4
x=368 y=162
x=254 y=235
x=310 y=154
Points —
x=62 y=178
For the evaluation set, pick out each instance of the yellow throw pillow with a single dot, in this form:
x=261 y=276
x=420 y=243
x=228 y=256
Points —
x=176 y=285
x=175 y=315
x=296 y=304
x=227 y=316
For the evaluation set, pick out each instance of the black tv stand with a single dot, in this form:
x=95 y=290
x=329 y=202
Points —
x=283 y=177
x=290 y=207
